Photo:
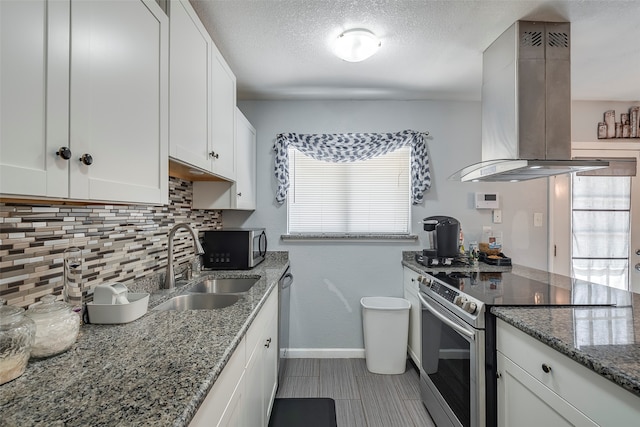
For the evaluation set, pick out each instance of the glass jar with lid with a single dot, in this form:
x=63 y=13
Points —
x=16 y=337
x=57 y=326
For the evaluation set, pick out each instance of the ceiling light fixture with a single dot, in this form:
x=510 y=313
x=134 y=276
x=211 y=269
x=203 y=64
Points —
x=356 y=45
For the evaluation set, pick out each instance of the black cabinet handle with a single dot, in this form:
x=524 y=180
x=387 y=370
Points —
x=86 y=159
x=214 y=155
x=546 y=368
x=64 y=152
x=268 y=343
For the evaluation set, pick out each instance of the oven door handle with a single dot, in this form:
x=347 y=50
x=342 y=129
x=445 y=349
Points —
x=446 y=320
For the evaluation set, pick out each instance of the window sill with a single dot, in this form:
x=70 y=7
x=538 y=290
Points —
x=348 y=237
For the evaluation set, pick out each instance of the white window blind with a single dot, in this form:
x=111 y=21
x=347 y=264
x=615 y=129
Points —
x=363 y=197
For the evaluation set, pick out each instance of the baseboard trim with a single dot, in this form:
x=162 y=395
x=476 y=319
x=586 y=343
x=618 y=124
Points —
x=325 y=353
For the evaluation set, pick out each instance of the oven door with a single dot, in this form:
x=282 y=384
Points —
x=452 y=376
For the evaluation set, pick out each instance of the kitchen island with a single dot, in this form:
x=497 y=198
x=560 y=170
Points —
x=156 y=370
x=606 y=340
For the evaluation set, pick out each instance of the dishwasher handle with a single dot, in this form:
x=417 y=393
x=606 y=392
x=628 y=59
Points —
x=286 y=280
x=446 y=320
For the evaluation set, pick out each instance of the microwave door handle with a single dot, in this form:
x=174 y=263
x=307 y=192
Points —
x=446 y=320
x=263 y=249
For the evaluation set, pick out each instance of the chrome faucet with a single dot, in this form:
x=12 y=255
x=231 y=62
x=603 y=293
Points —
x=169 y=280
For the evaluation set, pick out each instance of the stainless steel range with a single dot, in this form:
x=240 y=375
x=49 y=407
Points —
x=452 y=380
x=458 y=375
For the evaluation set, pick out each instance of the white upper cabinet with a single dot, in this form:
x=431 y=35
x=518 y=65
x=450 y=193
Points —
x=240 y=195
x=245 y=191
x=203 y=96
x=190 y=86
x=34 y=120
x=224 y=107
x=94 y=80
x=119 y=105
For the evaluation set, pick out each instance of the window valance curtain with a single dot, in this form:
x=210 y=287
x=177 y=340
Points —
x=349 y=147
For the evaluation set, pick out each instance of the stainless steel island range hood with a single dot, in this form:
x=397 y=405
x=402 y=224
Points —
x=526 y=106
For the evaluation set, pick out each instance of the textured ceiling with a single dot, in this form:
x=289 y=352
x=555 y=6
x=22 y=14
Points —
x=431 y=49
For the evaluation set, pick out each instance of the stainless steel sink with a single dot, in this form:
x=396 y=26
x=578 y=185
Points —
x=236 y=285
x=198 y=302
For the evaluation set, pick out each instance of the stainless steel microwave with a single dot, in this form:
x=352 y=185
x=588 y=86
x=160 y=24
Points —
x=234 y=248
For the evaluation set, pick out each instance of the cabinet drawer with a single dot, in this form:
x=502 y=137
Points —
x=524 y=401
x=598 y=398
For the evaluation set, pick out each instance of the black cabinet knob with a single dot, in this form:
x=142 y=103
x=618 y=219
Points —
x=86 y=159
x=64 y=152
x=214 y=155
x=546 y=368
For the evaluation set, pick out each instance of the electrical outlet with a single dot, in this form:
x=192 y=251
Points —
x=537 y=219
x=497 y=216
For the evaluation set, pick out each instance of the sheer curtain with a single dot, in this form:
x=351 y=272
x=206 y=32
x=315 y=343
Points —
x=601 y=222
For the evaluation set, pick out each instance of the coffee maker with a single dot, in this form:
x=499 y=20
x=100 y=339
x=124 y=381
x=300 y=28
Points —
x=444 y=236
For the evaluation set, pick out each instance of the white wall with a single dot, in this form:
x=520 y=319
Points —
x=331 y=277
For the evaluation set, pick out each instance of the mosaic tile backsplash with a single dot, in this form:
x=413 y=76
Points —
x=120 y=243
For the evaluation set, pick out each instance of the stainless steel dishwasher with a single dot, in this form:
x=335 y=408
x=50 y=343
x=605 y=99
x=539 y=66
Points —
x=285 y=282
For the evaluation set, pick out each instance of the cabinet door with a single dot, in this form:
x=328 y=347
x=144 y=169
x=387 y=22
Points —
x=415 y=316
x=223 y=109
x=34 y=106
x=234 y=413
x=245 y=190
x=524 y=401
x=118 y=101
x=190 y=86
x=241 y=194
x=270 y=369
x=254 y=386
x=225 y=400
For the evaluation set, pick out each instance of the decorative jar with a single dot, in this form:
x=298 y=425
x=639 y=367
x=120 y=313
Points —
x=16 y=337
x=57 y=326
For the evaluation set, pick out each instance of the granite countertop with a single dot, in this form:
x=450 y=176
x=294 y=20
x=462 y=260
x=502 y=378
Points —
x=153 y=371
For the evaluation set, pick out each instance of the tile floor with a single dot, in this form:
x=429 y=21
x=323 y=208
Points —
x=362 y=399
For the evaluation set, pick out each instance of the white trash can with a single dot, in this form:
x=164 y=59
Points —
x=385 y=322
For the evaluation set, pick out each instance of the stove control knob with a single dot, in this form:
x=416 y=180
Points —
x=470 y=307
x=459 y=301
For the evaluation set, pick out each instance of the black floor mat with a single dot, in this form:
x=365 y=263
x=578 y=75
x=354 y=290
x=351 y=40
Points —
x=307 y=412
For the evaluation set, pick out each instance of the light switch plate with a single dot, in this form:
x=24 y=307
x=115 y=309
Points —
x=497 y=216
x=537 y=219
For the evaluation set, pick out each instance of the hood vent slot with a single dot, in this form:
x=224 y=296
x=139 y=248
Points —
x=531 y=39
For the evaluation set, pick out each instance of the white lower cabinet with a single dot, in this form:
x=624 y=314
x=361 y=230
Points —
x=538 y=386
x=411 y=286
x=243 y=393
x=262 y=363
x=227 y=393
